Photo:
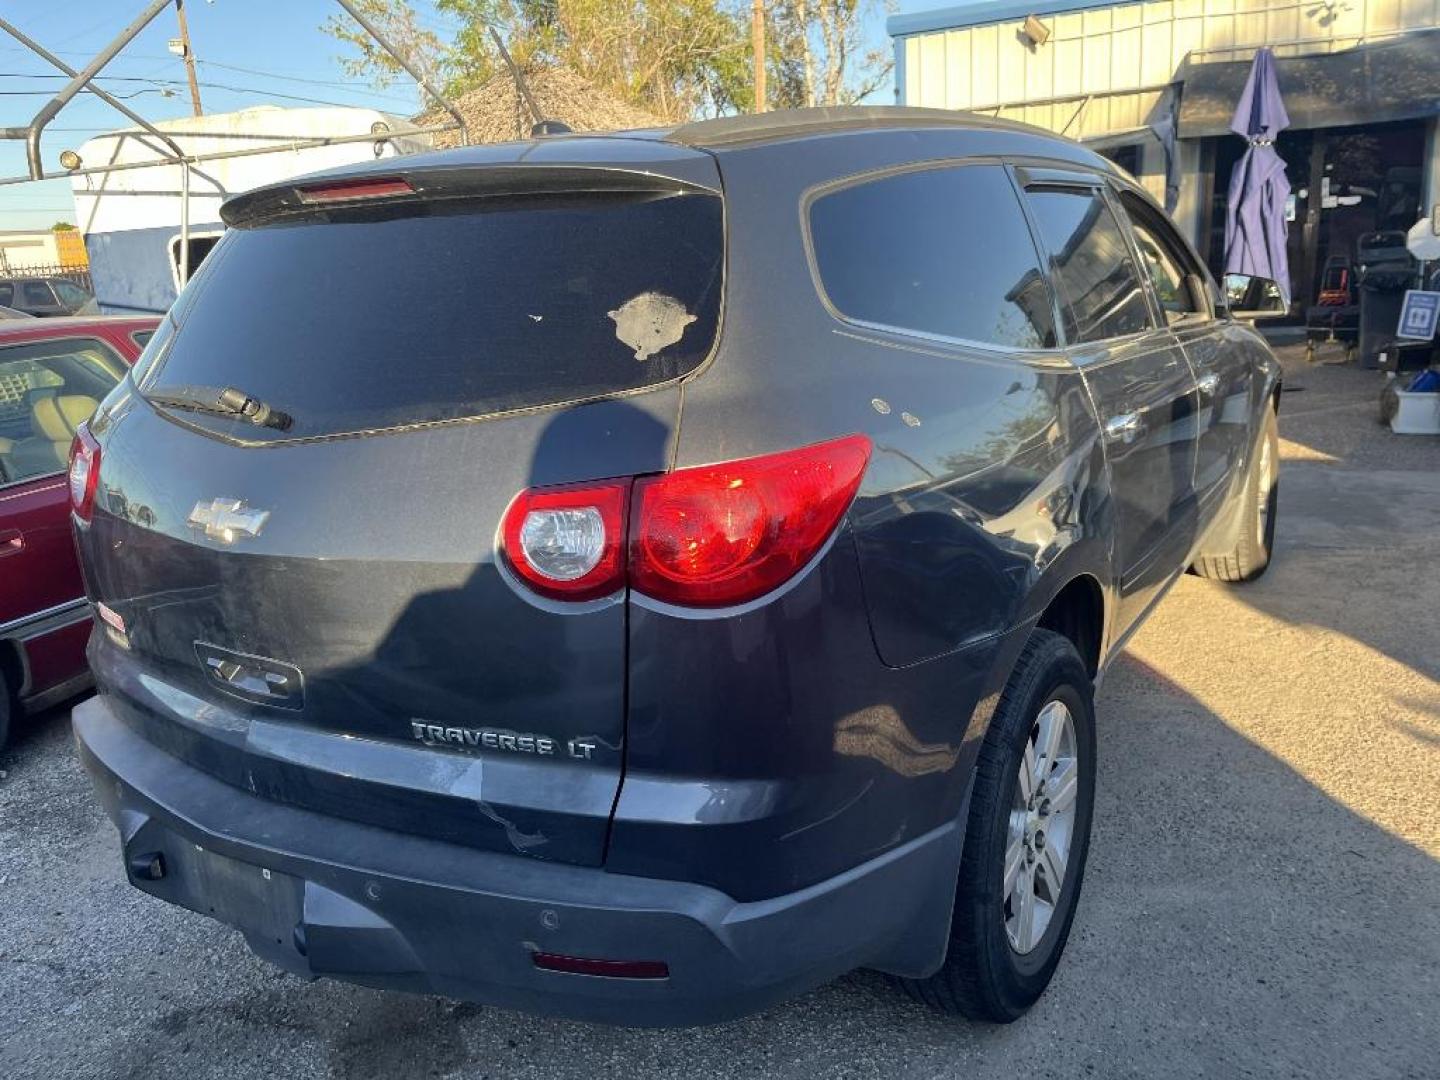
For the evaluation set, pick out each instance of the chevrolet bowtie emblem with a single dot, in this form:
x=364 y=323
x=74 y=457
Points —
x=227 y=519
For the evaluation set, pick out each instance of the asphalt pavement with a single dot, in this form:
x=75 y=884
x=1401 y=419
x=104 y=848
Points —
x=1261 y=898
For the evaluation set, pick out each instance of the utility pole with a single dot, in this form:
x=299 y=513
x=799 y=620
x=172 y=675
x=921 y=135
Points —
x=757 y=42
x=189 y=56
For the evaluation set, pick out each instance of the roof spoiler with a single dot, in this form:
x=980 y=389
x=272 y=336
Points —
x=397 y=186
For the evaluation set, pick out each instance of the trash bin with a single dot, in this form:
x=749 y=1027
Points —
x=1387 y=269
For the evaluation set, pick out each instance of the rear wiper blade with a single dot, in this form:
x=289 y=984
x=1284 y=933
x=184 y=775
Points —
x=225 y=401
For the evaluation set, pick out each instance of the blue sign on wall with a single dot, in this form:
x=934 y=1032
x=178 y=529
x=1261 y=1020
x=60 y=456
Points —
x=1419 y=315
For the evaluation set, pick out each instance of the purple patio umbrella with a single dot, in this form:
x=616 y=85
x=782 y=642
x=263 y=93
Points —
x=1255 y=225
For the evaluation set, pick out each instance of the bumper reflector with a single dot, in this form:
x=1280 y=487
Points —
x=612 y=969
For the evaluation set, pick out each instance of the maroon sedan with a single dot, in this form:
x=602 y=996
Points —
x=53 y=372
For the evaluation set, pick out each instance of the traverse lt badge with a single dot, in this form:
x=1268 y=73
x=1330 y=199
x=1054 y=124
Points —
x=498 y=739
x=226 y=520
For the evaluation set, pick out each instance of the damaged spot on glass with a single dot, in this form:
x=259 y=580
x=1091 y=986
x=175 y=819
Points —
x=650 y=323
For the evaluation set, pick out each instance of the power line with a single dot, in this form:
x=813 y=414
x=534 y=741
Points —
x=48 y=75
x=258 y=92
x=133 y=93
x=215 y=85
x=292 y=78
x=89 y=54
x=88 y=30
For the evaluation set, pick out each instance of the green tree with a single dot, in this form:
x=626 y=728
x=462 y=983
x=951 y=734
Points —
x=62 y=226
x=818 y=54
x=396 y=20
x=675 y=58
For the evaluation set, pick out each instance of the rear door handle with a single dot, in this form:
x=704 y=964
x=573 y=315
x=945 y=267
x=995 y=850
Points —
x=12 y=542
x=1123 y=428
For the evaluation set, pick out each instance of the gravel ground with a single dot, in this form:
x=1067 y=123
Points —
x=1260 y=898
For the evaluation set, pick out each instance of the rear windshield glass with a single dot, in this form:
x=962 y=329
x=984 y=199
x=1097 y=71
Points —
x=401 y=315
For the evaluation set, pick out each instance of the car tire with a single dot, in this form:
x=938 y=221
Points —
x=990 y=973
x=1251 y=555
x=6 y=710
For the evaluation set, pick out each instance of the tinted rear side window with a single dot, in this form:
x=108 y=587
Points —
x=37 y=293
x=943 y=251
x=1091 y=265
x=359 y=320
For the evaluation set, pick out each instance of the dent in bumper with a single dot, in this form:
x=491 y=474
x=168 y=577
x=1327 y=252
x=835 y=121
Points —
x=324 y=896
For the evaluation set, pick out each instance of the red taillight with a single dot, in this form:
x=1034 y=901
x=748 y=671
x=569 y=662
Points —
x=710 y=536
x=84 y=472
x=568 y=542
x=723 y=534
x=368 y=187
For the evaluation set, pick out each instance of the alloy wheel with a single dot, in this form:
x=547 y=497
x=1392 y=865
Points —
x=1042 y=826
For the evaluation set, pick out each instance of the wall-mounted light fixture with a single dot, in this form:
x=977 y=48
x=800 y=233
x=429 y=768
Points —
x=70 y=160
x=1035 y=30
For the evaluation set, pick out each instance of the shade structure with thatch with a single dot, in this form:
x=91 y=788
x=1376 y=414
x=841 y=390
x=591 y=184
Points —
x=495 y=111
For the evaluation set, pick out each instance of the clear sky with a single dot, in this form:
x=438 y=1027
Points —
x=249 y=52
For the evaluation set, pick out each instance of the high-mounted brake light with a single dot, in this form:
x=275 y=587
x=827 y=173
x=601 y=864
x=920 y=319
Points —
x=724 y=534
x=368 y=187
x=568 y=543
x=711 y=536
x=84 y=476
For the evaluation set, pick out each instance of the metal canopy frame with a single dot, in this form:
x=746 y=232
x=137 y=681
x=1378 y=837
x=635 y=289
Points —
x=170 y=151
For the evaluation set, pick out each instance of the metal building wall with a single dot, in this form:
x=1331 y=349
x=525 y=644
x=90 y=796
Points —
x=1071 y=82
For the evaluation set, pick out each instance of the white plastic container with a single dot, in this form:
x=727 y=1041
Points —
x=1418 y=414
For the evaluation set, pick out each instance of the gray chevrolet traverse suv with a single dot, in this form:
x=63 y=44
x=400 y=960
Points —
x=694 y=591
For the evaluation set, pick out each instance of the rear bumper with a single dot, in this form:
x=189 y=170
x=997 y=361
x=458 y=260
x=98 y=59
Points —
x=320 y=895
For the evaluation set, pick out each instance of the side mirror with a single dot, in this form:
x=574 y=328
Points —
x=1253 y=298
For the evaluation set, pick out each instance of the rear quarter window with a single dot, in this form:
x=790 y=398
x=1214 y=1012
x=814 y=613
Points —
x=37 y=293
x=356 y=320
x=943 y=251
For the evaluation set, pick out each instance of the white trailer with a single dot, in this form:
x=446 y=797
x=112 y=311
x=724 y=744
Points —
x=134 y=209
